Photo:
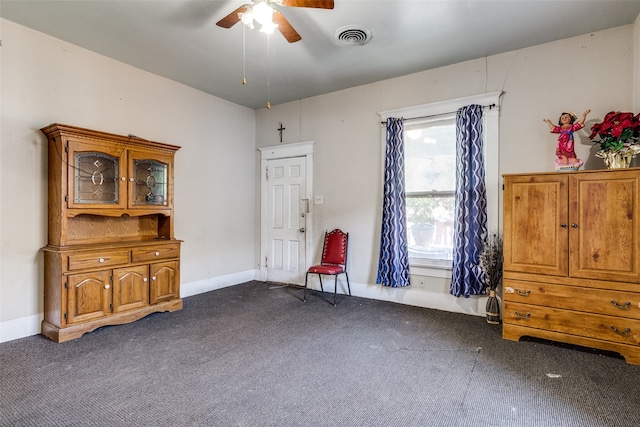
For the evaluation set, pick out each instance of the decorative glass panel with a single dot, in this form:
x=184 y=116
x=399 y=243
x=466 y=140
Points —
x=150 y=183
x=96 y=178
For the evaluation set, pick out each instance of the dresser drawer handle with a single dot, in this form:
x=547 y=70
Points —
x=523 y=294
x=626 y=306
x=101 y=260
x=617 y=331
x=157 y=253
x=525 y=316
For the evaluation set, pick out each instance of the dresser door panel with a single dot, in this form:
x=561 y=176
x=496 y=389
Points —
x=604 y=227
x=88 y=296
x=130 y=288
x=163 y=282
x=535 y=224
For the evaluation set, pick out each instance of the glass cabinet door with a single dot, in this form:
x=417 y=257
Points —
x=94 y=177
x=150 y=180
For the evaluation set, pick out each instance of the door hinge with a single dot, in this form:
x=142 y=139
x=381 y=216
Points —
x=266 y=264
x=266 y=172
x=65 y=316
x=66 y=198
x=66 y=285
x=66 y=147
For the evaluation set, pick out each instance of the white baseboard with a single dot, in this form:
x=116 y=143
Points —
x=427 y=298
x=202 y=286
x=19 y=328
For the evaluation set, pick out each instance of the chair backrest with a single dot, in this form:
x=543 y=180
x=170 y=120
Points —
x=334 y=250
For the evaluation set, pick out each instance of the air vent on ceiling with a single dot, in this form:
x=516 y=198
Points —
x=352 y=35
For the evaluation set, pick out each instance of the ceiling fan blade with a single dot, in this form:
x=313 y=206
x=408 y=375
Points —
x=232 y=19
x=285 y=27
x=319 y=4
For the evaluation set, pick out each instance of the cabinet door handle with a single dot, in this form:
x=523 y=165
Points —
x=524 y=316
x=108 y=286
x=619 y=332
x=123 y=178
x=523 y=294
x=563 y=225
x=626 y=306
x=153 y=278
x=131 y=179
x=144 y=279
x=574 y=225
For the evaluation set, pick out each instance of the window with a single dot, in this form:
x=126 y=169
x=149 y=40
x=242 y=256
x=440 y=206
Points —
x=430 y=177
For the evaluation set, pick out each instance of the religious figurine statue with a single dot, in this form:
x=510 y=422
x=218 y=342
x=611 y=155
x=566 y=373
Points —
x=565 y=152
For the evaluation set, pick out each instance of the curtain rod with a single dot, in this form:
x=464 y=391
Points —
x=490 y=106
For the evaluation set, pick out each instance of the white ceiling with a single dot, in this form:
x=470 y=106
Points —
x=178 y=39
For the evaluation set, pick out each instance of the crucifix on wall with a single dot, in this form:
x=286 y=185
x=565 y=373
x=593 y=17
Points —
x=280 y=129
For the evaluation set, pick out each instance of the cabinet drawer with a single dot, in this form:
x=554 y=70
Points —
x=155 y=253
x=98 y=259
x=609 y=328
x=590 y=300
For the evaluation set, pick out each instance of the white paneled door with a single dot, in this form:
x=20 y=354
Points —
x=287 y=209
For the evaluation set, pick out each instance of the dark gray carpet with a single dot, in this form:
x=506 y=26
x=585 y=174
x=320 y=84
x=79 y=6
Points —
x=256 y=355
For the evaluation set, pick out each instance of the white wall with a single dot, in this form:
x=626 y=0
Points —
x=636 y=71
x=45 y=80
x=591 y=71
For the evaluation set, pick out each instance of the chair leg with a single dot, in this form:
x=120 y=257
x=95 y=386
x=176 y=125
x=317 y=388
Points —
x=348 y=286
x=335 y=291
x=320 y=277
x=306 y=278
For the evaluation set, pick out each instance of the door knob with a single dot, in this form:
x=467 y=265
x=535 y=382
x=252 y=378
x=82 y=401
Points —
x=302 y=230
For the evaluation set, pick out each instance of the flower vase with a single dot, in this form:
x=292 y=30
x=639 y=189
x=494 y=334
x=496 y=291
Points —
x=618 y=159
x=493 y=309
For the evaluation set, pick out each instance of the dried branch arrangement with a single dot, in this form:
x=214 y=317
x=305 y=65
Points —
x=491 y=261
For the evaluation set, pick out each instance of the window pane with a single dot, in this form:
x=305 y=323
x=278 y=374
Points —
x=430 y=227
x=430 y=157
x=430 y=169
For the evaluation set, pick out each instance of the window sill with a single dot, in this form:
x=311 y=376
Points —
x=431 y=268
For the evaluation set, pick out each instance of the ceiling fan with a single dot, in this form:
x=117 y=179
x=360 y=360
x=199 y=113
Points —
x=264 y=13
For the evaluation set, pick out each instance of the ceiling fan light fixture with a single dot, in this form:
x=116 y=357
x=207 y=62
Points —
x=263 y=13
x=247 y=17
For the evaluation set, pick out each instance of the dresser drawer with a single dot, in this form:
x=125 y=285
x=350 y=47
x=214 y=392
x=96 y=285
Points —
x=153 y=253
x=609 y=328
x=590 y=300
x=98 y=259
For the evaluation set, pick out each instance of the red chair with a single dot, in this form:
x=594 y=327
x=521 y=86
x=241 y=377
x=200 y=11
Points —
x=334 y=261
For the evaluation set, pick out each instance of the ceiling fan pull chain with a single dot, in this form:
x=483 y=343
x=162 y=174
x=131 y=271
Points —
x=244 y=54
x=268 y=71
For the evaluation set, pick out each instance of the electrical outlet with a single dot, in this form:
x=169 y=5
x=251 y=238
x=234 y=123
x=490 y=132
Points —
x=318 y=200
x=419 y=282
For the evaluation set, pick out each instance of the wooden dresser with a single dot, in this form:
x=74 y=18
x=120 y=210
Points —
x=111 y=256
x=572 y=259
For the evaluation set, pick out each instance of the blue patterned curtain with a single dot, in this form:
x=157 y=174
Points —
x=393 y=264
x=470 y=224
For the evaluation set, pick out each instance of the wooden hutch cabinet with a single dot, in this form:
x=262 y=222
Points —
x=111 y=256
x=572 y=259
